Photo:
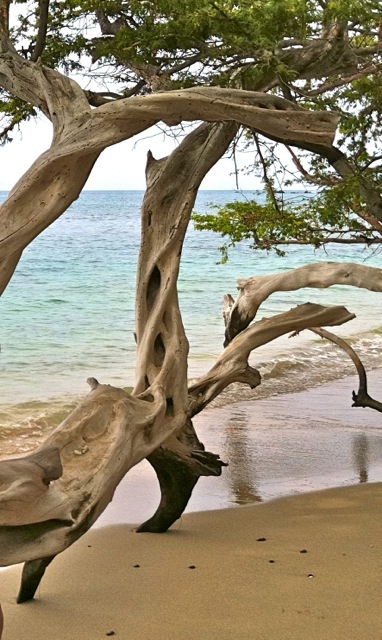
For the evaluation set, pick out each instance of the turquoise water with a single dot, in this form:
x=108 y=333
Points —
x=68 y=313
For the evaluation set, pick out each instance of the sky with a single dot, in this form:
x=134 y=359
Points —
x=119 y=167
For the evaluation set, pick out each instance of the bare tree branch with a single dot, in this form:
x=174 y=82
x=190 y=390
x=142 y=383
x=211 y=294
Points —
x=321 y=241
x=266 y=178
x=232 y=364
x=109 y=28
x=330 y=180
x=253 y=291
x=81 y=134
x=42 y=30
x=361 y=398
x=4 y=133
x=330 y=86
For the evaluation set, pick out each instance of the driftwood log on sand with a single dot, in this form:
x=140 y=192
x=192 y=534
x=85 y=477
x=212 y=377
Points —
x=50 y=498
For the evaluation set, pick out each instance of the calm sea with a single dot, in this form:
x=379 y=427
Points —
x=68 y=312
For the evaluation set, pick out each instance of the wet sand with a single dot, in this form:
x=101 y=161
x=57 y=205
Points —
x=277 y=446
x=301 y=567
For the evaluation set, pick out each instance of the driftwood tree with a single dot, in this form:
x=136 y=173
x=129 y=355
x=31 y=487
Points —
x=50 y=498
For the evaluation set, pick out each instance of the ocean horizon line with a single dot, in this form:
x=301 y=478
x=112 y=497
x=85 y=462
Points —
x=257 y=190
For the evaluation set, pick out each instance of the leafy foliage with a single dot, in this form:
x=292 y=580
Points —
x=316 y=219
x=320 y=54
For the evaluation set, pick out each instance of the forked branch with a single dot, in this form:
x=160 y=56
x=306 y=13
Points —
x=80 y=135
x=254 y=291
x=232 y=365
x=162 y=347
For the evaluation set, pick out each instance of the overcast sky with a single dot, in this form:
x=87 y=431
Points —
x=119 y=167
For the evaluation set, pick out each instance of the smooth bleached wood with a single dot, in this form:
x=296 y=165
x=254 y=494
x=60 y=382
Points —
x=232 y=364
x=80 y=134
x=108 y=433
x=254 y=291
x=162 y=346
x=51 y=498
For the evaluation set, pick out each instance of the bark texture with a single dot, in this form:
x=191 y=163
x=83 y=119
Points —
x=80 y=134
x=49 y=499
x=253 y=291
x=162 y=346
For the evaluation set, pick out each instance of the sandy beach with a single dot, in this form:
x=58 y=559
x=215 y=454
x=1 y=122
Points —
x=307 y=566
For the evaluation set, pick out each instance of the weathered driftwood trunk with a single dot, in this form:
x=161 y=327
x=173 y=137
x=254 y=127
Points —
x=99 y=442
x=111 y=431
x=51 y=498
x=162 y=347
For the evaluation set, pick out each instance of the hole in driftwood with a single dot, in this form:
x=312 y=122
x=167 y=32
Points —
x=169 y=407
x=153 y=287
x=159 y=350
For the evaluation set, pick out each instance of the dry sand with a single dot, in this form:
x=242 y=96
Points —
x=317 y=575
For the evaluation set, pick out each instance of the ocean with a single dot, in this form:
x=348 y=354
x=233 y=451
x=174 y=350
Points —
x=68 y=313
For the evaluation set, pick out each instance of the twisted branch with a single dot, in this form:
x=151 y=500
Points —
x=361 y=398
x=253 y=291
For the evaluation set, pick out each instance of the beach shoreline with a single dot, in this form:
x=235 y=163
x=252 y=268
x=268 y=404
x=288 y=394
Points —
x=275 y=447
x=213 y=575
x=289 y=569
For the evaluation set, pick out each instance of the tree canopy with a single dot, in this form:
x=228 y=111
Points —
x=319 y=54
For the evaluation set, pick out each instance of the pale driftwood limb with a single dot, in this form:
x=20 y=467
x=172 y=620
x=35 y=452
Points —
x=108 y=433
x=7 y=268
x=232 y=364
x=253 y=291
x=210 y=386
x=361 y=398
x=111 y=431
x=162 y=347
x=265 y=113
x=228 y=303
x=81 y=134
x=26 y=495
x=102 y=438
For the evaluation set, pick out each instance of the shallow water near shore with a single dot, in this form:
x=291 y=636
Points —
x=68 y=312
